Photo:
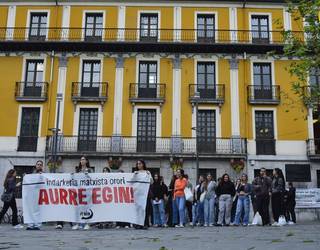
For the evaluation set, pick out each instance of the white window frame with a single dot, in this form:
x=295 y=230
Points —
x=84 y=13
x=269 y=22
x=89 y=58
x=217 y=119
x=28 y=23
x=275 y=121
x=140 y=12
x=273 y=78
x=135 y=119
x=76 y=118
x=215 y=13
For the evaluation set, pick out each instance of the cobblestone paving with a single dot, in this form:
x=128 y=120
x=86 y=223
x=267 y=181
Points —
x=300 y=237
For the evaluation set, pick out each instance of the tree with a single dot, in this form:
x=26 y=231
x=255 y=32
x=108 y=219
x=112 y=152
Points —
x=304 y=47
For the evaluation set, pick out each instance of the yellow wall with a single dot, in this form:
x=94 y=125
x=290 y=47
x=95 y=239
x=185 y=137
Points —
x=3 y=20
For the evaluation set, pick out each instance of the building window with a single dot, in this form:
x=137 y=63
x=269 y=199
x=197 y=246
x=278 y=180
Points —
x=28 y=138
x=147 y=79
x=205 y=28
x=206 y=79
x=90 y=80
x=21 y=172
x=94 y=27
x=33 y=78
x=149 y=27
x=260 y=29
x=38 y=26
x=88 y=125
x=314 y=77
x=298 y=173
x=146 y=130
x=262 y=81
x=265 y=142
x=206 y=131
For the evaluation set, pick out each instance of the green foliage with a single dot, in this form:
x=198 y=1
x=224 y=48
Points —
x=304 y=48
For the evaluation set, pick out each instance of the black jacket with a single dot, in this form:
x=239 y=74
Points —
x=158 y=190
x=226 y=188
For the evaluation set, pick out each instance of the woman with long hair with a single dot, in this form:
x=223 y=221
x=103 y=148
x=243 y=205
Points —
x=179 y=197
x=197 y=208
x=158 y=191
x=141 y=167
x=171 y=209
x=83 y=167
x=225 y=192
x=243 y=204
x=10 y=187
x=277 y=191
x=209 y=201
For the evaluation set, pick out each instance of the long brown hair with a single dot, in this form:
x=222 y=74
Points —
x=9 y=175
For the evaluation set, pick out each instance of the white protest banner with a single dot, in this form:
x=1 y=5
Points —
x=308 y=198
x=85 y=198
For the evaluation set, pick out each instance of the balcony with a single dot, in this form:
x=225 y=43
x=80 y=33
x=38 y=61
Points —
x=27 y=143
x=208 y=93
x=31 y=91
x=263 y=94
x=165 y=40
x=125 y=145
x=89 y=92
x=147 y=93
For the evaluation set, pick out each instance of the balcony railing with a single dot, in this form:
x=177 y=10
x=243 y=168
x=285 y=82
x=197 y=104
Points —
x=31 y=91
x=147 y=92
x=264 y=94
x=208 y=93
x=156 y=145
x=313 y=147
x=163 y=35
x=89 y=91
x=27 y=143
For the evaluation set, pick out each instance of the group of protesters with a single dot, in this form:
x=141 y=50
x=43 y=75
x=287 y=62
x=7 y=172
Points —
x=208 y=203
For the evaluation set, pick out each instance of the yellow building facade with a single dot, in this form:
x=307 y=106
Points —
x=187 y=84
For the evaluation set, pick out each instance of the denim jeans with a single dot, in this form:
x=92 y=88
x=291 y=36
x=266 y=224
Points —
x=243 y=204
x=158 y=213
x=225 y=204
x=181 y=206
x=174 y=212
x=209 y=210
x=197 y=213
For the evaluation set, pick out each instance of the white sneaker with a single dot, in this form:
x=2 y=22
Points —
x=178 y=226
x=117 y=227
x=126 y=227
x=291 y=222
x=211 y=225
x=86 y=227
x=165 y=225
x=59 y=227
x=75 y=227
x=275 y=224
x=19 y=226
x=205 y=225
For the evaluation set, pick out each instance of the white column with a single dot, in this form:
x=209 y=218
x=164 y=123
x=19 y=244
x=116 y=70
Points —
x=176 y=97
x=61 y=89
x=233 y=23
x=234 y=86
x=177 y=23
x=121 y=22
x=65 y=23
x=11 y=22
x=287 y=25
x=117 y=118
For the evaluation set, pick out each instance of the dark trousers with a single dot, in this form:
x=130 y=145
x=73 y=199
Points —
x=262 y=205
x=13 y=205
x=189 y=209
x=148 y=213
x=290 y=212
x=277 y=205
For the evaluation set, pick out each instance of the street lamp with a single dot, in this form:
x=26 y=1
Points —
x=196 y=98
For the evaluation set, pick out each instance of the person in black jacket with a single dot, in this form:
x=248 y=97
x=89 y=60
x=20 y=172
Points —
x=159 y=194
x=10 y=187
x=277 y=190
x=290 y=204
x=225 y=191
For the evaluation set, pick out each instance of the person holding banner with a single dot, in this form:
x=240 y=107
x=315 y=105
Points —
x=179 y=197
x=84 y=167
x=38 y=170
x=142 y=168
x=10 y=187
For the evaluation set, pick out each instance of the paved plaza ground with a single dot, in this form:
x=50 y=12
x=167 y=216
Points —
x=300 y=237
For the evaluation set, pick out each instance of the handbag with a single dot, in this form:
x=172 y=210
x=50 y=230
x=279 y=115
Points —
x=203 y=196
x=188 y=194
x=6 y=197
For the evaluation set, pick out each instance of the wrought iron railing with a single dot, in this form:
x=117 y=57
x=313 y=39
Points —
x=31 y=91
x=258 y=94
x=89 y=91
x=163 y=35
x=313 y=147
x=158 y=145
x=147 y=91
x=211 y=93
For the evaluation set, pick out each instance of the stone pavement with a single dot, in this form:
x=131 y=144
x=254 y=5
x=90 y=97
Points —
x=298 y=237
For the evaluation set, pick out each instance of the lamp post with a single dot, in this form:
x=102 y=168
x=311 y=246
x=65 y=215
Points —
x=196 y=98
